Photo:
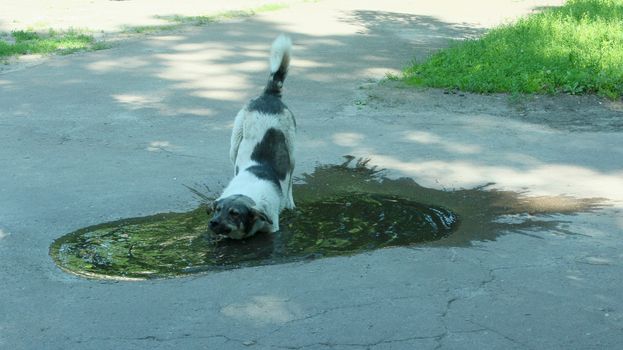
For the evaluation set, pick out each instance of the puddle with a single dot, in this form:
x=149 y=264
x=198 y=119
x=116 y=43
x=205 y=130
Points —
x=341 y=209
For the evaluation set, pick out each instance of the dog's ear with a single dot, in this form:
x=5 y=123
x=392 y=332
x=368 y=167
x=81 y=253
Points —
x=211 y=207
x=258 y=215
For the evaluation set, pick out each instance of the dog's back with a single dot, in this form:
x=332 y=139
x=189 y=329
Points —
x=262 y=147
x=263 y=142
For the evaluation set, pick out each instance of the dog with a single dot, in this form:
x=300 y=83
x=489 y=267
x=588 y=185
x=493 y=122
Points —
x=262 y=152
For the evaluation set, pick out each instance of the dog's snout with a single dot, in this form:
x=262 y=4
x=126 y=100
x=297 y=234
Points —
x=216 y=226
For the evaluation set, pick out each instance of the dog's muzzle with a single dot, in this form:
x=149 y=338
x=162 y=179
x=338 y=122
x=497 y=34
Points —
x=216 y=227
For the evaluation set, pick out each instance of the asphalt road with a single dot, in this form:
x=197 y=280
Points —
x=105 y=135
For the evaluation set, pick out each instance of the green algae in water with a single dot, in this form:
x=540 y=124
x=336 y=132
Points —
x=341 y=209
x=178 y=243
x=134 y=248
x=362 y=221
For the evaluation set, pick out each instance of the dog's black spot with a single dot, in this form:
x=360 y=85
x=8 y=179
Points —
x=265 y=172
x=272 y=152
x=267 y=104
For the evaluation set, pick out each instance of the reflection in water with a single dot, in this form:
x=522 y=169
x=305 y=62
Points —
x=341 y=209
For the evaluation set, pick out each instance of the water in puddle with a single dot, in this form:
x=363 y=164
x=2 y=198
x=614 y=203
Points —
x=341 y=209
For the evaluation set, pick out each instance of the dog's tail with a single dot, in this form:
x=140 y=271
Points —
x=279 y=62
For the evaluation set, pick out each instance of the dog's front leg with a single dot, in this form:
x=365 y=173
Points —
x=236 y=138
x=290 y=197
x=290 y=145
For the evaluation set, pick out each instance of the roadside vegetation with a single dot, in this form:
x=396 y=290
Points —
x=576 y=48
x=24 y=42
x=178 y=21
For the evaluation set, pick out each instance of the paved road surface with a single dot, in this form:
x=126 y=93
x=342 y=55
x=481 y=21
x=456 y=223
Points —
x=100 y=136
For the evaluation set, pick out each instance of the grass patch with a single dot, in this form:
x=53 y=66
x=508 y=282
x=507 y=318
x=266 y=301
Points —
x=226 y=15
x=149 y=29
x=24 y=42
x=576 y=48
x=177 y=21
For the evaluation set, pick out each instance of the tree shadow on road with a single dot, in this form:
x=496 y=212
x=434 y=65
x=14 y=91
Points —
x=162 y=106
x=419 y=34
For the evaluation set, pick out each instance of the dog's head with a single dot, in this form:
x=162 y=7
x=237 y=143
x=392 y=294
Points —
x=237 y=217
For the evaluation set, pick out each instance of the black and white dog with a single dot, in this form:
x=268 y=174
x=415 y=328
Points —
x=262 y=151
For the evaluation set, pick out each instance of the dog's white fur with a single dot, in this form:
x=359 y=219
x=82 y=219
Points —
x=281 y=47
x=250 y=126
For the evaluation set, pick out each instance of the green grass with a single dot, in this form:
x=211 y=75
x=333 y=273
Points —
x=226 y=15
x=177 y=21
x=148 y=29
x=25 y=42
x=61 y=42
x=576 y=48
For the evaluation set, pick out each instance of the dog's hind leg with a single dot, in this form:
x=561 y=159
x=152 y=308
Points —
x=290 y=176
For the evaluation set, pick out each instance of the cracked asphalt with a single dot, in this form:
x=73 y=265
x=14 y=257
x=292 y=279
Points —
x=100 y=136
